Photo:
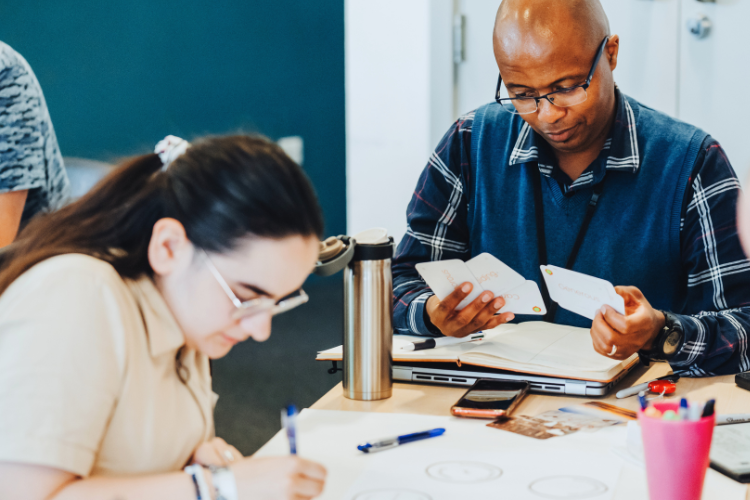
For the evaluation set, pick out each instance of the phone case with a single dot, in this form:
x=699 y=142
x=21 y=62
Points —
x=460 y=411
x=743 y=380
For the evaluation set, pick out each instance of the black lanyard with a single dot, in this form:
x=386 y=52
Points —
x=542 y=240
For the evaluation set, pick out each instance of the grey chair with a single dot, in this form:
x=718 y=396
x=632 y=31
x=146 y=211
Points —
x=84 y=174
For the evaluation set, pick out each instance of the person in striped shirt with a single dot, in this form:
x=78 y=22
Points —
x=517 y=177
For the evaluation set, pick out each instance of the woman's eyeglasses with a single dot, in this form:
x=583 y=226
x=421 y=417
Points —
x=258 y=305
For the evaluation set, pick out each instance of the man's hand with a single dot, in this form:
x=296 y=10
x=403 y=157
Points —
x=636 y=330
x=479 y=315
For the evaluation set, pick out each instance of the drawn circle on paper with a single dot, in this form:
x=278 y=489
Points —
x=567 y=487
x=392 y=494
x=463 y=472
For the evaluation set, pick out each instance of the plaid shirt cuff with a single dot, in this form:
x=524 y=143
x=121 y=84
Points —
x=416 y=316
x=694 y=345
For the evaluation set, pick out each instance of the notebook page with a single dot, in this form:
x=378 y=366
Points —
x=536 y=343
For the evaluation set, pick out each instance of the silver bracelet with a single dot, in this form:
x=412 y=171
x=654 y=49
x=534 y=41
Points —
x=224 y=483
x=202 y=491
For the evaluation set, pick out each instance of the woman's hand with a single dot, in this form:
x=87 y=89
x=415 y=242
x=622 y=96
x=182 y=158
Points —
x=216 y=452
x=277 y=478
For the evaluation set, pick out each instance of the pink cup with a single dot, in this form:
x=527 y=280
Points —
x=676 y=454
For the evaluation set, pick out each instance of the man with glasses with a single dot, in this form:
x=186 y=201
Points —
x=565 y=169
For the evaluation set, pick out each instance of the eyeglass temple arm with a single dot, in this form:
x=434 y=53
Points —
x=596 y=62
x=221 y=281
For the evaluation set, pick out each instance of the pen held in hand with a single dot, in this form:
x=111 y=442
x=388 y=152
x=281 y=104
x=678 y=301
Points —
x=289 y=422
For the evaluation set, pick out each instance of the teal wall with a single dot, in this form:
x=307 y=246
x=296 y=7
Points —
x=118 y=76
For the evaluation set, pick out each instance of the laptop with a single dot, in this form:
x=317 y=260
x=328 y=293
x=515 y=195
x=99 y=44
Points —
x=451 y=374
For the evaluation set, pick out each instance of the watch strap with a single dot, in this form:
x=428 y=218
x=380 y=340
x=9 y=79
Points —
x=656 y=353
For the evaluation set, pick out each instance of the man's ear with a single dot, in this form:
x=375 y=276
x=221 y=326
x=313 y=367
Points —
x=611 y=50
x=169 y=249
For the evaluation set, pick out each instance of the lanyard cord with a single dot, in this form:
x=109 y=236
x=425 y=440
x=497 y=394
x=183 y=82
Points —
x=542 y=240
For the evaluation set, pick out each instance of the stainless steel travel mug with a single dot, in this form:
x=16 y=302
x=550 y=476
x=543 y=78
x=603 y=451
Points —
x=368 y=313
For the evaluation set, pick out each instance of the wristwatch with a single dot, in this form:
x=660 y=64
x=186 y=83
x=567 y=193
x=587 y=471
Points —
x=667 y=343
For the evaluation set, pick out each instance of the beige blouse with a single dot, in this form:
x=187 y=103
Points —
x=87 y=373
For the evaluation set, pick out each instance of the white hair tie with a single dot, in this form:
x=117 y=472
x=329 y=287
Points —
x=169 y=149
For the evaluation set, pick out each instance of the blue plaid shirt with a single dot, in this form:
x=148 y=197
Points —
x=715 y=267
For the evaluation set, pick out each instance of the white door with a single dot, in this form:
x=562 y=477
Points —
x=714 y=73
x=647 y=63
x=477 y=74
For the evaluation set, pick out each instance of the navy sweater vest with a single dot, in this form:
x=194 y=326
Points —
x=634 y=236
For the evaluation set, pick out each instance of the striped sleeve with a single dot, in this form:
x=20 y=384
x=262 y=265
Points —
x=716 y=316
x=436 y=228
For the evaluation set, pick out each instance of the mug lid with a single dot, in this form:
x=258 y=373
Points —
x=372 y=236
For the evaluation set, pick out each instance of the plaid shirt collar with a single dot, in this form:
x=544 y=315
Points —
x=620 y=151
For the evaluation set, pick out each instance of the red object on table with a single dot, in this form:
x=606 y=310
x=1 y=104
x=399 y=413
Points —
x=662 y=387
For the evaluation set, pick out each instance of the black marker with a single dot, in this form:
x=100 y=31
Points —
x=441 y=342
x=708 y=410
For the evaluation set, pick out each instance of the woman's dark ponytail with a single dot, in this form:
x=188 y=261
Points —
x=221 y=189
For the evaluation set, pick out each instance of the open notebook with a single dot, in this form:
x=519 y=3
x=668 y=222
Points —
x=534 y=347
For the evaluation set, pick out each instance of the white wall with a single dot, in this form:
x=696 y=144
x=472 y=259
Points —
x=647 y=64
x=398 y=103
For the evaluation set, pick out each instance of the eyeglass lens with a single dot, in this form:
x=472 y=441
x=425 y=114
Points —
x=524 y=105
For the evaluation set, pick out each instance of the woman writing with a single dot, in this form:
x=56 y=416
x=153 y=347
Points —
x=111 y=308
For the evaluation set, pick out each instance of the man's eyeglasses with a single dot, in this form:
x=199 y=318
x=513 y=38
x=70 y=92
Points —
x=527 y=104
x=261 y=304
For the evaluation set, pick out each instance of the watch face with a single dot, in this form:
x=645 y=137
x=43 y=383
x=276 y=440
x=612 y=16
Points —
x=671 y=342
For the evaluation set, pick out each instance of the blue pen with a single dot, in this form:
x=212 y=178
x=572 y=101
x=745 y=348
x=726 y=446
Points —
x=385 y=444
x=642 y=400
x=289 y=422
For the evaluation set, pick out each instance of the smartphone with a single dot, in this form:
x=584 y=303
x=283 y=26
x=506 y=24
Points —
x=490 y=398
x=743 y=380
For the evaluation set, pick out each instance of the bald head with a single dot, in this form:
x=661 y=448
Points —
x=537 y=26
x=544 y=46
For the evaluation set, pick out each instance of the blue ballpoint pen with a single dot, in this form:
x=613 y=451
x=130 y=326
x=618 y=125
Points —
x=289 y=422
x=642 y=399
x=385 y=444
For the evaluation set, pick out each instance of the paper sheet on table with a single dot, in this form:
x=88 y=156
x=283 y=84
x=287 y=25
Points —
x=411 y=473
x=331 y=437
